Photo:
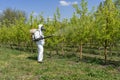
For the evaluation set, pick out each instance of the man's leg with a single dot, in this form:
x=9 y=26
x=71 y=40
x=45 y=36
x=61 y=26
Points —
x=40 y=53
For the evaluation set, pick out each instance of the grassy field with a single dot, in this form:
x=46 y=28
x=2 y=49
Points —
x=19 y=65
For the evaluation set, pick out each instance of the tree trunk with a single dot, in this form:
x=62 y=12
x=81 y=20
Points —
x=63 y=49
x=57 y=50
x=105 y=51
x=31 y=46
x=105 y=54
x=80 y=50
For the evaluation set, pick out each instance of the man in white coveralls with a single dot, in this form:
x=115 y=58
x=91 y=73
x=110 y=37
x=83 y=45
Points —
x=40 y=42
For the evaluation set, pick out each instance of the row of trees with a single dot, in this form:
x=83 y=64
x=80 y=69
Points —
x=100 y=27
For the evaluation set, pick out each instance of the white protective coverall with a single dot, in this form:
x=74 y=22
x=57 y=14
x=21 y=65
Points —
x=40 y=45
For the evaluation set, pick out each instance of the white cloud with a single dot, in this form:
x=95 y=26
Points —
x=75 y=2
x=65 y=3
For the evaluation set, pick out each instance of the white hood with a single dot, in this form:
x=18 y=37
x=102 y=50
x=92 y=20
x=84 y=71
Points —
x=40 y=26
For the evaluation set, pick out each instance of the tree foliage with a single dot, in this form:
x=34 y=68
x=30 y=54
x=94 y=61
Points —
x=100 y=27
x=9 y=16
x=82 y=24
x=107 y=28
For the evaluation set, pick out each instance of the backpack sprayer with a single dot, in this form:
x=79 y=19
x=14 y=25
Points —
x=48 y=36
x=43 y=38
x=36 y=35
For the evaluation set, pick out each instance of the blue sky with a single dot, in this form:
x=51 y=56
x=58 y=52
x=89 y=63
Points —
x=48 y=7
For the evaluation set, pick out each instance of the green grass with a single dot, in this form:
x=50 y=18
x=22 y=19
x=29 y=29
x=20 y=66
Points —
x=18 y=65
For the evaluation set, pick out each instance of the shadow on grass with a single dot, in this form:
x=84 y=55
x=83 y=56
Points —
x=99 y=61
x=75 y=58
x=90 y=59
x=32 y=58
